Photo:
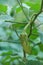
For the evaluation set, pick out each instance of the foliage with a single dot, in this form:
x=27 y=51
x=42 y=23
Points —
x=21 y=32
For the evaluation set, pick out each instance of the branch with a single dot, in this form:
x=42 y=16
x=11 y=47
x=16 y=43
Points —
x=20 y=3
x=24 y=54
x=31 y=24
x=16 y=32
x=16 y=22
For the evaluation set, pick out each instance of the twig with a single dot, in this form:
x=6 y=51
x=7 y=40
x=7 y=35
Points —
x=16 y=32
x=20 y=3
x=24 y=54
x=31 y=24
x=13 y=22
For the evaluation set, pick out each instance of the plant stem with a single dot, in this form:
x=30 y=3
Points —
x=31 y=24
x=24 y=54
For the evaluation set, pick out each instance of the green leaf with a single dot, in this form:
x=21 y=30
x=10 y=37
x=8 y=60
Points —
x=6 y=53
x=34 y=6
x=3 y=8
x=6 y=63
x=34 y=51
x=35 y=34
x=41 y=46
x=5 y=59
